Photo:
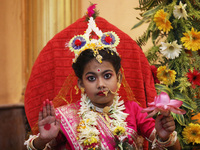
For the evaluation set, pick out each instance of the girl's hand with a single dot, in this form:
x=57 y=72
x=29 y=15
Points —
x=48 y=123
x=164 y=125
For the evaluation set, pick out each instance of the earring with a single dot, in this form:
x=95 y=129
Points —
x=82 y=90
x=77 y=89
x=118 y=85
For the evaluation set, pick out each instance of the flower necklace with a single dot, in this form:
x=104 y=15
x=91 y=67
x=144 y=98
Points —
x=88 y=132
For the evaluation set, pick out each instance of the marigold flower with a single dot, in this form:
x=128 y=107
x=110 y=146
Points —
x=161 y=21
x=191 y=40
x=167 y=76
x=119 y=130
x=194 y=77
x=191 y=133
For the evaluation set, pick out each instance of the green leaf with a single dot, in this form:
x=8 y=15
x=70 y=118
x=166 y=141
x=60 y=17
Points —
x=138 y=24
x=187 y=102
x=151 y=11
x=141 y=22
x=155 y=35
x=180 y=119
x=164 y=88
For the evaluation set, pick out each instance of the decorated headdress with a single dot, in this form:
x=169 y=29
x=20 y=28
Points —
x=53 y=78
x=102 y=40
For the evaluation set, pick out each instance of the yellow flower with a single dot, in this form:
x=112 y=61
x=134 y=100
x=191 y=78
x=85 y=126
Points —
x=90 y=141
x=161 y=21
x=191 y=133
x=167 y=76
x=119 y=130
x=191 y=40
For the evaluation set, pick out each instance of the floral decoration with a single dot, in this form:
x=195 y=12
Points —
x=191 y=133
x=165 y=75
x=91 y=11
x=88 y=130
x=179 y=11
x=194 y=78
x=78 y=43
x=93 y=38
x=161 y=21
x=109 y=39
x=170 y=50
x=173 y=27
x=191 y=40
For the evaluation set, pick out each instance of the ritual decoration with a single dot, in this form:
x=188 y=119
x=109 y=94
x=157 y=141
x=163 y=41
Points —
x=173 y=27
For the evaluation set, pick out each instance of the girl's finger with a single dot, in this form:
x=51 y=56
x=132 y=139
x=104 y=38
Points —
x=40 y=115
x=48 y=107
x=169 y=128
x=167 y=119
x=57 y=121
x=44 y=113
x=52 y=109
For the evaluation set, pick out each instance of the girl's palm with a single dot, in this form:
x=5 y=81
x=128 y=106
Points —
x=48 y=123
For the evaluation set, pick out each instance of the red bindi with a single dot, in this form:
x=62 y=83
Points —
x=98 y=70
x=47 y=126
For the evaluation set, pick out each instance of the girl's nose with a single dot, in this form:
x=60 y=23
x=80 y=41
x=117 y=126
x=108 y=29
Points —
x=100 y=84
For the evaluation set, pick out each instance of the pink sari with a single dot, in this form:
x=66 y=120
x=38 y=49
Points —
x=70 y=121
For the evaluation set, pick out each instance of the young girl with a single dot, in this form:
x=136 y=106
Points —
x=100 y=119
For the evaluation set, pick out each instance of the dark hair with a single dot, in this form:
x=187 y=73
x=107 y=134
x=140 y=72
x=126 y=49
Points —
x=87 y=55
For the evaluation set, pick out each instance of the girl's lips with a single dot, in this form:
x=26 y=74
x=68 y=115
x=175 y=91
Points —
x=101 y=93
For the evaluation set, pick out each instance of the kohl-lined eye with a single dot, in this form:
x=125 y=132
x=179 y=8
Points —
x=107 y=75
x=91 y=78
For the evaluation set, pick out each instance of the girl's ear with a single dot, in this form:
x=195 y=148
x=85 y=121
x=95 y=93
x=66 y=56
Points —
x=80 y=84
x=119 y=77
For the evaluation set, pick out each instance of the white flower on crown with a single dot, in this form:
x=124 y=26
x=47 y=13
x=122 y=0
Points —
x=92 y=27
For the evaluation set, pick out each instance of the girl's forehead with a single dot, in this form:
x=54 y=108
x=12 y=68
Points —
x=98 y=67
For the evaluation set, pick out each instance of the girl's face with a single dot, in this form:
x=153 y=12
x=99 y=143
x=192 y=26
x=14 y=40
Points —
x=98 y=78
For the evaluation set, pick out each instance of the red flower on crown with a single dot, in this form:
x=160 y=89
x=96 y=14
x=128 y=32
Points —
x=108 y=39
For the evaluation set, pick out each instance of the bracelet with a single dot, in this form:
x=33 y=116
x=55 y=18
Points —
x=162 y=145
x=29 y=143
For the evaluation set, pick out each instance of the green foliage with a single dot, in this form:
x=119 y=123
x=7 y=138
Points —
x=181 y=89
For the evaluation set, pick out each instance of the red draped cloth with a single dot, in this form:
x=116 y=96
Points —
x=53 y=66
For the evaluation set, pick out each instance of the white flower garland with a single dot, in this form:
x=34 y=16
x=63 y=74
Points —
x=88 y=134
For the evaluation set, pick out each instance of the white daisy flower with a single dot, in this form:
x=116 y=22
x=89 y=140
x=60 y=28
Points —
x=179 y=11
x=170 y=50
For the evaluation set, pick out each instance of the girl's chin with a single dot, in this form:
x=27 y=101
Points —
x=102 y=104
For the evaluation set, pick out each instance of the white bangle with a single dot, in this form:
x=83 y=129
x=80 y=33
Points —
x=29 y=143
x=162 y=145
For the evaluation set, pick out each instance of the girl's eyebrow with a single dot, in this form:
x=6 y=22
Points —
x=90 y=73
x=102 y=72
x=107 y=71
